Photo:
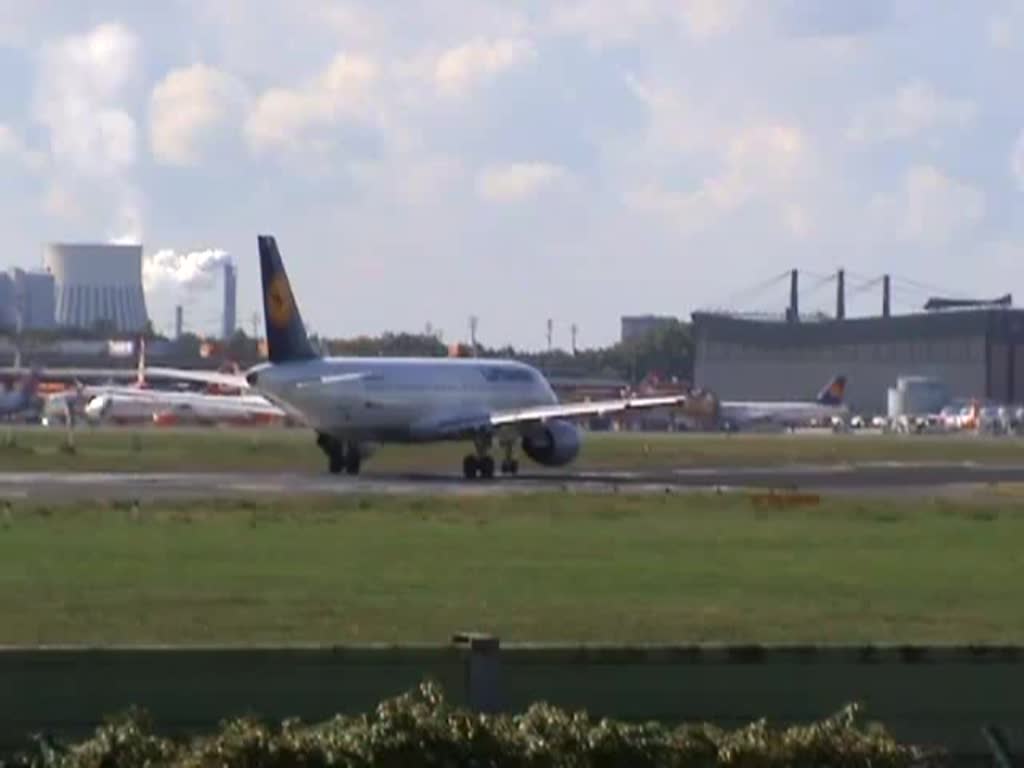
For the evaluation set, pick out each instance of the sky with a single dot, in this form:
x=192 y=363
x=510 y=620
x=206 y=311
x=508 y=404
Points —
x=422 y=161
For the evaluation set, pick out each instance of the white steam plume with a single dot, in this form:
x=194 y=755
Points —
x=192 y=270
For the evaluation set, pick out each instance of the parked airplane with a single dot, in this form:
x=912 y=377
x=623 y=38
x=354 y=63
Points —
x=353 y=403
x=139 y=402
x=21 y=397
x=130 y=405
x=827 y=406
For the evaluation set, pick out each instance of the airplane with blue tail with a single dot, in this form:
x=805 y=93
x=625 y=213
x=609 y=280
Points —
x=356 y=403
x=827 y=406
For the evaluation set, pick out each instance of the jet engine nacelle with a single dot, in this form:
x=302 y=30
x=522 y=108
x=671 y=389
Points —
x=554 y=444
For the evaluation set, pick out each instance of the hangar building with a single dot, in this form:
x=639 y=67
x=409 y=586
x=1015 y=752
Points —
x=977 y=350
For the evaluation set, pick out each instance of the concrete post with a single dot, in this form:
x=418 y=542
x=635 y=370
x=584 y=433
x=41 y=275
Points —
x=841 y=295
x=483 y=670
x=794 y=296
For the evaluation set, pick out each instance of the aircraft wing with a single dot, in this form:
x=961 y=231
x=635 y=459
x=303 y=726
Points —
x=585 y=410
x=233 y=380
x=466 y=424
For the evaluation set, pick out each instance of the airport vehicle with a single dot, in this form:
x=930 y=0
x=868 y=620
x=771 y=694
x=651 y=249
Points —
x=354 y=403
x=825 y=409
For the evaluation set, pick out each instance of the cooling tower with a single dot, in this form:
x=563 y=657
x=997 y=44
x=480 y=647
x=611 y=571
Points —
x=98 y=284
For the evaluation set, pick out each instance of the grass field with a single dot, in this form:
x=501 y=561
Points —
x=280 y=450
x=548 y=567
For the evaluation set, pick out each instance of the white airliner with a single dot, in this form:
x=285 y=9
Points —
x=828 y=406
x=354 y=403
x=140 y=403
x=130 y=405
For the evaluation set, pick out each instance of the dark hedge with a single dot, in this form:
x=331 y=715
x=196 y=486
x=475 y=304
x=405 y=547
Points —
x=421 y=729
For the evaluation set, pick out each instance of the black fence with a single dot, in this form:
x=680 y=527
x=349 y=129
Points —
x=936 y=696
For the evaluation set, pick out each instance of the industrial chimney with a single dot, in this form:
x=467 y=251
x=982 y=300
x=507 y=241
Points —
x=886 y=296
x=230 y=298
x=179 y=321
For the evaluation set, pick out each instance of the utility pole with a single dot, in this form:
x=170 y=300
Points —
x=574 y=330
x=473 y=323
x=551 y=325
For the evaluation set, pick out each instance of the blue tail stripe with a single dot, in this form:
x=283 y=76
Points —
x=834 y=392
x=287 y=340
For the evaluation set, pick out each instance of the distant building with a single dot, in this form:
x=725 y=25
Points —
x=26 y=301
x=8 y=309
x=35 y=300
x=976 y=352
x=635 y=326
x=98 y=284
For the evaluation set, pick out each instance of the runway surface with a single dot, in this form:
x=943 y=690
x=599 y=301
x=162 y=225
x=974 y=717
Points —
x=893 y=477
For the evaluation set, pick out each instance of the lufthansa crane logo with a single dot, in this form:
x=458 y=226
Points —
x=280 y=306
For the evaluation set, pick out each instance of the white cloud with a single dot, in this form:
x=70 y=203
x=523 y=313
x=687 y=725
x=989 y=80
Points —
x=283 y=118
x=1000 y=32
x=515 y=182
x=60 y=202
x=459 y=69
x=10 y=143
x=1003 y=257
x=931 y=209
x=675 y=123
x=763 y=161
x=127 y=222
x=796 y=220
x=709 y=18
x=191 y=269
x=185 y=110
x=602 y=23
x=79 y=98
x=84 y=98
x=1017 y=160
x=915 y=109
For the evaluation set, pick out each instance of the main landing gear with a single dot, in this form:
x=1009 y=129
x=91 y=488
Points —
x=341 y=456
x=480 y=464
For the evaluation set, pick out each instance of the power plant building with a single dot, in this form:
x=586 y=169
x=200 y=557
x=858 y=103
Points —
x=26 y=301
x=97 y=285
x=35 y=299
x=8 y=309
x=636 y=326
x=975 y=351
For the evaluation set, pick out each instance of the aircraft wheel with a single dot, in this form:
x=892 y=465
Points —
x=335 y=462
x=470 y=467
x=510 y=467
x=486 y=467
x=353 y=463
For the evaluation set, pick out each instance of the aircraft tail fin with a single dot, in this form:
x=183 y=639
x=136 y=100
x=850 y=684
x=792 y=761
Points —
x=287 y=340
x=834 y=392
